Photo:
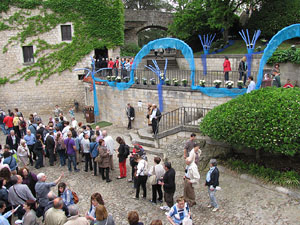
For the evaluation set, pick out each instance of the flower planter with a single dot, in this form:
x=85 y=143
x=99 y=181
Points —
x=229 y=87
x=144 y=83
x=217 y=85
x=202 y=85
x=184 y=85
x=240 y=87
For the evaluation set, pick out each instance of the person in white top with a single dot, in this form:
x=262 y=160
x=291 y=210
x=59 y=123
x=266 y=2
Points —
x=251 y=86
x=142 y=175
x=191 y=178
x=109 y=142
x=22 y=152
x=159 y=171
x=74 y=123
x=85 y=146
x=66 y=129
x=195 y=153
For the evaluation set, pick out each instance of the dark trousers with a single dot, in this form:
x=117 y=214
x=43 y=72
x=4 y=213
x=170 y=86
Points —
x=129 y=123
x=72 y=159
x=226 y=75
x=51 y=156
x=156 y=189
x=154 y=126
x=242 y=74
x=88 y=161
x=20 y=212
x=32 y=154
x=95 y=167
x=62 y=157
x=106 y=173
x=141 y=181
x=40 y=161
x=169 y=199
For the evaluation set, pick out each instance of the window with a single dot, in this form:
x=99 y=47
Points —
x=66 y=34
x=28 y=54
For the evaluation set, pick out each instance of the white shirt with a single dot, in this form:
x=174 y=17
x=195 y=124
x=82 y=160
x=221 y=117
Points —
x=74 y=124
x=65 y=131
x=153 y=115
x=85 y=145
x=109 y=142
x=251 y=86
x=141 y=167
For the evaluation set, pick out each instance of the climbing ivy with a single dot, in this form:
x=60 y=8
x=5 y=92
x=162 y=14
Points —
x=96 y=24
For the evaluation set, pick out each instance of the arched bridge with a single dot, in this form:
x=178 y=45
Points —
x=138 y=20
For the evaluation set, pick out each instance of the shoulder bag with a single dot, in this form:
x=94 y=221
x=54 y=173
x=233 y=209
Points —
x=152 y=179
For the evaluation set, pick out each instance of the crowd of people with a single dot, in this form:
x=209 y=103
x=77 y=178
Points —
x=28 y=195
x=115 y=66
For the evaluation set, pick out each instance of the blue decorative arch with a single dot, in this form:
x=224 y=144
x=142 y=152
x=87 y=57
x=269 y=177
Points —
x=165 y=43
x=283 y=35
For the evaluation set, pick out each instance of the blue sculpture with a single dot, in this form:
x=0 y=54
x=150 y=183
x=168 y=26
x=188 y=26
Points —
x=206 y=43
x=161 y=77
x=286 y=33
x=250 y=46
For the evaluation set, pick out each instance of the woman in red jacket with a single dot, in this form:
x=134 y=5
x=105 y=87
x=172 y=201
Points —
x=227 y=68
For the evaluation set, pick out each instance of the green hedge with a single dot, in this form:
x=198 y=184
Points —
x=283 y=56
x=266 y=119
x=288 y=178
x=130 y=49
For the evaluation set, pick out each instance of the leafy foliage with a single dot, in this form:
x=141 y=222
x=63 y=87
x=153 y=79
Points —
x=148 y=5
x=266 y=119
x=274 y=15
x=283 y=56
x=288 y=178
x=97 y=24
x=129 y=49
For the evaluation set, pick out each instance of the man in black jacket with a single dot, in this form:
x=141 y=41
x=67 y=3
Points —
x=130 y=114
x=13 y=140
x=155 y=118
x=50 y=144
x=212 y=181
x=169 y=186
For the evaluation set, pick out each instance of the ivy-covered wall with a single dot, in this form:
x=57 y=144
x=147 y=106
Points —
x=96 y=24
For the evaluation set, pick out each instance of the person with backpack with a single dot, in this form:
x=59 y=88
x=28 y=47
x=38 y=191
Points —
x=60 y=148
x=123 y=152
x=65 y=193
x=142 y=175
x=23 y=125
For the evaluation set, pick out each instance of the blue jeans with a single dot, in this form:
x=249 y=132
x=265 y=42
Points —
x=72 y=159
x=3 y=129
x=212 y=197
x=62 y=157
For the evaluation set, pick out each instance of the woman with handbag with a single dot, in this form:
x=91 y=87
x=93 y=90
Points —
x=142 y=175
x=156 y=172
x=103 y=162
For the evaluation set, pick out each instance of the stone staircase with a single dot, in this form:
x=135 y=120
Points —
x=146 y=139
x=172 y=63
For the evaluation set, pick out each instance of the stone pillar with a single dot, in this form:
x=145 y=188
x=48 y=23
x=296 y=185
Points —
x=131 y=36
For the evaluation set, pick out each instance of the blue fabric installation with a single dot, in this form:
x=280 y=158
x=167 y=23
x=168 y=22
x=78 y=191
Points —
x=286 y=33
x=165 y=43
x=206 y=43
x=220 y=92
x=204 y=64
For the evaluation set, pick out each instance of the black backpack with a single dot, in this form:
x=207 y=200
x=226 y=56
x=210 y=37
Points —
x=126 y=152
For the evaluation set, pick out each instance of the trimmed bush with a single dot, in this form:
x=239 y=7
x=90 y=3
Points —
x=267 y=119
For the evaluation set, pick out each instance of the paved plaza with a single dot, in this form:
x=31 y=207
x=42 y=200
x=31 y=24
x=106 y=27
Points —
x=240 y=202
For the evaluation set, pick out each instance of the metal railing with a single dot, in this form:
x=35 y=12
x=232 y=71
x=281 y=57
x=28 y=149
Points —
x=183 y=116
x=183 y=74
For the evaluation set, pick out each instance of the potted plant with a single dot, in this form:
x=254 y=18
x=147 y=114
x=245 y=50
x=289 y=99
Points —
x=113 y=78
x=229 y=84
x=240 y=84
x=144 y=81
x=162 y=76
x=137 y=80
x=152 y=81
x=118 y=79
x=175 y=82
x=202 y=83
x=217 y=83
x=108 y=78
x=184 y=82
x=167 y=82
x=126 y=79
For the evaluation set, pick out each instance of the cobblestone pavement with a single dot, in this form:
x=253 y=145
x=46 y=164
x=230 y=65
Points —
x=240 y=202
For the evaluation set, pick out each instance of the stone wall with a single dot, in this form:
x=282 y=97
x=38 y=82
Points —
x=58 y=89
x=112 y=102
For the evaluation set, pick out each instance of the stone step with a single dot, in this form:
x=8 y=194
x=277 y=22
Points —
x=144 y=133
x=143 y=142
x=155 y=151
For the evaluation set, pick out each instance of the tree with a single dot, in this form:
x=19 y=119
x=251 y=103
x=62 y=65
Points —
x=274 y=15
x=148 y=5
x=265 y=120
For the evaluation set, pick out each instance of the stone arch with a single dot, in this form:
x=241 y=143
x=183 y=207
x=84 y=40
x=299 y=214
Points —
x=152 y=26
x=286 y=33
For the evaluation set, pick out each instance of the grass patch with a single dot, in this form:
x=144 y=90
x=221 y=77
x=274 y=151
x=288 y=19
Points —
x=288 y=178
x=101 y=124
